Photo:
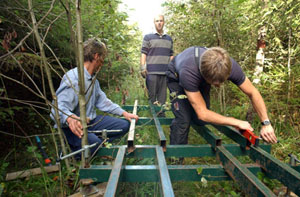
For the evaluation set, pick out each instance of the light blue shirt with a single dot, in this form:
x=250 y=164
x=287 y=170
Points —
x=67 y=97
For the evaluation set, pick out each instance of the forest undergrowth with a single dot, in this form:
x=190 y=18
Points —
x=25 y=154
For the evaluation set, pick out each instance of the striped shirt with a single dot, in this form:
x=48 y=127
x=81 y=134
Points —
x=158 y=50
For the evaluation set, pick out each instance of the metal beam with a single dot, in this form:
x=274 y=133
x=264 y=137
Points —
x=203 y=150
x=150 y=121
x=116 y=174
x=162 y=138
x=281 y=171
x=209 y=136
x=130 y=140
x=140 y=107
x=233 y=134
x=149 y=173
x=165 y=180
x=249 y=183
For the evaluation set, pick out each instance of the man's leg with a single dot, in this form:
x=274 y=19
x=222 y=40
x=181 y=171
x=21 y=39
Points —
x=152 y=87
x=161 y=89
x=99 y=123
x=181 y=109
x=75 y=142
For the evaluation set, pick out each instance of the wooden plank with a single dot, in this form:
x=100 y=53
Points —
x=130 y=140
x=31 y=172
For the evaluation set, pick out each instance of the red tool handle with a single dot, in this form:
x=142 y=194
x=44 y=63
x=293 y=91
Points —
x=251 y=137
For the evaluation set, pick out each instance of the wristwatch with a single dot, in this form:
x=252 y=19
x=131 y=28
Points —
x=265 y=122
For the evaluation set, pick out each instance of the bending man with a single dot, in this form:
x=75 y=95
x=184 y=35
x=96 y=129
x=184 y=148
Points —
x=192 y=73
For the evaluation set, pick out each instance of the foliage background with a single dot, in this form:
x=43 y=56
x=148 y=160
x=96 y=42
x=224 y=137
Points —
x=230 y=24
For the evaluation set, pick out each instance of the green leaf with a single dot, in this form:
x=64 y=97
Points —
x=107 y=145
x=182 y=96
x=31 y=149
x=173 y=94
x=204 y=182
x=260 y=175
x=199 y=170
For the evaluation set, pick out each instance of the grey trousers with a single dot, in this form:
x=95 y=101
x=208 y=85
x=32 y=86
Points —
x=157 y=88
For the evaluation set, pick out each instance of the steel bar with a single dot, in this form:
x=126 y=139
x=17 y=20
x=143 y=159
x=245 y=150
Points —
x=116 y=174
x=85 y=148
x=209 y=136
x=140 y=108
x=162 y=138
x=233 y=134
x=281 y=171
x=105 y=130
x=150 y=121
x=130 y=140
x=249 y=183
x=165 y=180
x=204 y=150
x=149 y=173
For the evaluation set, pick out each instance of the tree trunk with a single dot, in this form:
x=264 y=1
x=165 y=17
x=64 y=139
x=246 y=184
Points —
x=72 y=33
x=81 y=96
x=260 y=58
x=48 y=73
x=220 y=41
x=289 y=64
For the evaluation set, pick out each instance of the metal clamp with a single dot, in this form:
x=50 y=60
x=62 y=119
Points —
x=86 y=150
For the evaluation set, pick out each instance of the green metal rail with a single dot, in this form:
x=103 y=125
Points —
x=229 y=167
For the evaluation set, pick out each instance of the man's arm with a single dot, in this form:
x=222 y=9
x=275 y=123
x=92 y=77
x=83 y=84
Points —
x=267 y=131
x=143 y=65
x=198 y=103
x=106 y=105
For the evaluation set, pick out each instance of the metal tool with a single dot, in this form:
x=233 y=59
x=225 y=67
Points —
x=251 y=137
x=44 y=154
x=86 y=150
x=104 y=132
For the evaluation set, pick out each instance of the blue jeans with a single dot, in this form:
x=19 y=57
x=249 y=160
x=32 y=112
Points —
x=99 y=123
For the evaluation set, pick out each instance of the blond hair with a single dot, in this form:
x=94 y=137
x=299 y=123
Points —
x=215 y=65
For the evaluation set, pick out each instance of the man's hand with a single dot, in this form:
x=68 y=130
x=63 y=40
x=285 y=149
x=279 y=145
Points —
x=144 y=73
x=129 y=116
x=267 y=133
x=75 y=125
x=244 y=125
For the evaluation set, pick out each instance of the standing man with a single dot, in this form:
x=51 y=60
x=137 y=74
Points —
x=157 y=51
x=192 y=73
x=68 y=105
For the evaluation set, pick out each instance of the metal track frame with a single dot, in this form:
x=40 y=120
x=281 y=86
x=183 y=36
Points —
x=229 y=167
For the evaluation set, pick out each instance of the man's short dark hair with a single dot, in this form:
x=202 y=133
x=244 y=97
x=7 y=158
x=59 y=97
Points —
x=215 y=65
x=91 y=47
